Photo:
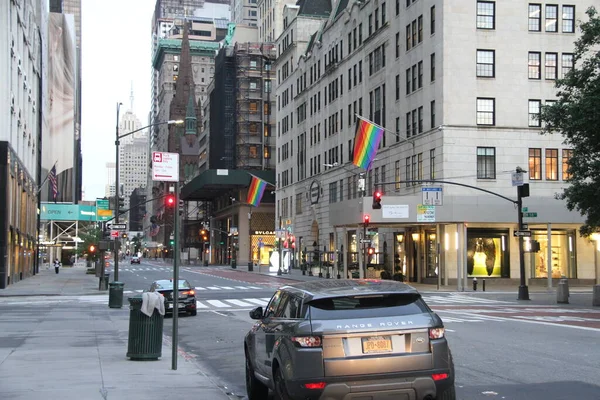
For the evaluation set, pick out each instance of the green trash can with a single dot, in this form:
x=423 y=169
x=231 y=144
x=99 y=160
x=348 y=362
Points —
x=145 y=333
x=233 y=264
x=103 y=282
x=115 y=295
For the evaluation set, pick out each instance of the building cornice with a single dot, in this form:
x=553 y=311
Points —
x=173 y=46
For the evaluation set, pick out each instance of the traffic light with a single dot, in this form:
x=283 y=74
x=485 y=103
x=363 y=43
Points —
x=203 y=232
x=121 y=203
x=366 y=219
x=92 y=248
x=124 y=235
x=170 y=200
x=371 y=251
x=171 y=240
x=377 y=200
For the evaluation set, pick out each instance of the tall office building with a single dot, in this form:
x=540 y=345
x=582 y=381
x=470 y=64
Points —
x=22 y=87
x=244 y=12
x=458 y=87
x=71 y=182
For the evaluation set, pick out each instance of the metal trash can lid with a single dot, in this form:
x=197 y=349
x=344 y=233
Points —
x=135 y=299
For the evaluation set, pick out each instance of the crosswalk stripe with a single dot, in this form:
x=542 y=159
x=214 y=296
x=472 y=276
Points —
x=213 y=288
x=242 y=287
x=218 y=303
x=254 y=287
x=267 y=299
x=199 y=288
x=239 y=302
x=256 y=301
x=227 y=287
x=200 y=305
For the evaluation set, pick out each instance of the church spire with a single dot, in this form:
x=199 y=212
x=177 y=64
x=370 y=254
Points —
x=131 y=98
x=190 y=117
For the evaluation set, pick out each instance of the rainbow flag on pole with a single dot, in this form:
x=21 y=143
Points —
x=256 y=191
x=366 y=142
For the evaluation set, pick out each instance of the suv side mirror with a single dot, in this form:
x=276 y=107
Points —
x=256 y=313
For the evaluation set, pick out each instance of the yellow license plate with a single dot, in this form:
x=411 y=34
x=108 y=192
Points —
x=377 y=344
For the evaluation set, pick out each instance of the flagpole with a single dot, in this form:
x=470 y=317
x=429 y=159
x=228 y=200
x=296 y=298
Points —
x=381 y=127
x=46 y=179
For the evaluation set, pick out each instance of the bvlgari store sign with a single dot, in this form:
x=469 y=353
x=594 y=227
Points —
x=265 y=233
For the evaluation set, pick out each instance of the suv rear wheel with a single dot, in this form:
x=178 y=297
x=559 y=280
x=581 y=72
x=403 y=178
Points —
x=255 y=388
x=448 y=394
x=281 y=392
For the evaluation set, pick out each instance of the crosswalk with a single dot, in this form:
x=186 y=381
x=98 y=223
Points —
x=204 y=289
x=139 y=269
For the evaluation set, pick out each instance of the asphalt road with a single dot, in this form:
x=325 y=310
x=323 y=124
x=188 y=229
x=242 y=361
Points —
x=502 y=348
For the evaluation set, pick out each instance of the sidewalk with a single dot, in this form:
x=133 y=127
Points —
x=76 y=349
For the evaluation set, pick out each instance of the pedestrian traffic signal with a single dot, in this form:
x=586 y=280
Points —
x=377 y=200
x=170 y=200
x=366 y=219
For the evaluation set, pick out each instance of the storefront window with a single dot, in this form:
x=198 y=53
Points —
x=487 y=253
x=399 y=254
x=431 y=252
x=563 y=254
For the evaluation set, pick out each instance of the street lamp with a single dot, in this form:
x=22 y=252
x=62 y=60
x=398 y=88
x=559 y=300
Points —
x=117 y=194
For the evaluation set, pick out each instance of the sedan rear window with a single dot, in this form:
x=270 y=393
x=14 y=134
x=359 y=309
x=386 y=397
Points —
x=384 y=305
x=183 y=284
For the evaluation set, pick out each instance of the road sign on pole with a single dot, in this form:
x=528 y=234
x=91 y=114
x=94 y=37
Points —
x=117 y=227
x=165 y=166
x=516 y=178
x=522 y=233
x=529 y=214
x=432 y=196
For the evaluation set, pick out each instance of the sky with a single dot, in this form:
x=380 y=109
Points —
x=116 y=53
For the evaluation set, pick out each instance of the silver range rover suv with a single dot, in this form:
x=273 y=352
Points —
x=348 y=340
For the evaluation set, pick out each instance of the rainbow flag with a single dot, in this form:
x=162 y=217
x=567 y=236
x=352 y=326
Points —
x=256 y=191
x=366 y=141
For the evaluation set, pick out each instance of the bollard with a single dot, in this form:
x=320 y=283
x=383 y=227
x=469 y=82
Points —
x=566 y=282
x=483 y=285
x=562 y=292
x=474 y=284
x=596 y=296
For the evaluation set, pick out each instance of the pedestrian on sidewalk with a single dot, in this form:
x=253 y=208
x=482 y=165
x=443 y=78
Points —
x=57 y=265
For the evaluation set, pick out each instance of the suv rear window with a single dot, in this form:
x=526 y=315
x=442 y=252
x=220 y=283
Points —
x=381 y=305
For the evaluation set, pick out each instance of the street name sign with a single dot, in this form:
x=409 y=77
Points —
x=432 y=196
x=165 y=166
x=530 y=214
x=522 y=233
x=365 y=240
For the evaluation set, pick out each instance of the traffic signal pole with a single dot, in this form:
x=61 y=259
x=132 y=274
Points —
x=175 y=278
x=522 y=191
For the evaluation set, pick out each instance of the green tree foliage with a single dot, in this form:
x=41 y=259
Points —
x=90 y=236
x=576 y=116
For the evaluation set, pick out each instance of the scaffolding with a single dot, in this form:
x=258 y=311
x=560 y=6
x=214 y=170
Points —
x=254 y=142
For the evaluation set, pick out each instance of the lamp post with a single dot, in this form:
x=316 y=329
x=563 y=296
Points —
x=117 y=194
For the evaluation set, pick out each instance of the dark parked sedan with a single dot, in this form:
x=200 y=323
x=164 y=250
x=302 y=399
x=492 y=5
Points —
x=348 y=339
x=186 y=302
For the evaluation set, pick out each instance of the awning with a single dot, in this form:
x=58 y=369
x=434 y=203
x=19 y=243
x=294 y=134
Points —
x=214 y=182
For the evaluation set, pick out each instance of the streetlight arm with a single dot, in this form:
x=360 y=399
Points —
x=171 y=122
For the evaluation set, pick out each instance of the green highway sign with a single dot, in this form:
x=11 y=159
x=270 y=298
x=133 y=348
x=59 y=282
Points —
x=530 y=214
x=104 y=213
x=525 y=209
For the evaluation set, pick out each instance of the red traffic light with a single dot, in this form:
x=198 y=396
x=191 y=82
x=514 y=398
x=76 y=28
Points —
x=366 y=218
x=371 y=251
x=92 y=248
x=377 y=200
x=170 y=200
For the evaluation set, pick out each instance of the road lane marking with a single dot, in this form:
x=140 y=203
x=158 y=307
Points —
x=256 y=301
x=213 y=288
x=226 y=287
x=218 y=303
x=238 y=302
x=199 y=288
x=200 y=305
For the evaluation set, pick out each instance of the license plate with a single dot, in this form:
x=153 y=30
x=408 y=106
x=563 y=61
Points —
x=377 y=344
x=181 y=305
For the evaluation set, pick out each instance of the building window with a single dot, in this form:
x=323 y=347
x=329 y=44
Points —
x=535 y=164
x=534 y=63
x=267 y=152
x=552 y=164
x=299 y=203
x=408 y=38
x=332 y=192
x=397 y=44
x=432 y=113
x=486 y=111
x=407 y=171
x=567 y=63
x=420 y=71
x=566 y=156
x=568 y=19
x=397 y=87
x=486 y=11
x=432 y=164
x=551 y=18
x=432 y=19
x=551 y=66
x=534 y=112
x=486 y=163
x=486 y=63
x=253 y=107
x=420 y=166
x=420 y=116
x=432 y=67
x=253 y=151
x=420 y=28
x=535 y=17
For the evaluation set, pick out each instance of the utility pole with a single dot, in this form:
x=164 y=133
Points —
x=279 y=269
x=117 y=242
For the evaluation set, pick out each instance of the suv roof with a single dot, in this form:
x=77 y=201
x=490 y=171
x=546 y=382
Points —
x=347 y=287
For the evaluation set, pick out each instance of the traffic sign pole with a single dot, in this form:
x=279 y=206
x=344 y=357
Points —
x=522 y=191
x=175 y=279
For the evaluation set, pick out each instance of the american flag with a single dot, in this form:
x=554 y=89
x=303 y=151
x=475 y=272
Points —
x=53 y=182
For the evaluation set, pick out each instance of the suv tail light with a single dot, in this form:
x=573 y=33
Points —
x=307 y=341
x=316 y=385
x=189 y=292
x=436 y=333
